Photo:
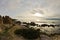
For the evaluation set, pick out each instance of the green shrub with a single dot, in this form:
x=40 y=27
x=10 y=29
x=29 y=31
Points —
x=28 y=33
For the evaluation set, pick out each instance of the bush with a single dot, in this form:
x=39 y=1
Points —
x=28 y=33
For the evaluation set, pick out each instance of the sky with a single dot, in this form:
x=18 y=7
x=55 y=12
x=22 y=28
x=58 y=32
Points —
x=25 y=9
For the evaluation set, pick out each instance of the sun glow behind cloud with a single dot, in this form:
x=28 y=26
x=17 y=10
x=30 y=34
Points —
x=14 y=8
x=38 y=14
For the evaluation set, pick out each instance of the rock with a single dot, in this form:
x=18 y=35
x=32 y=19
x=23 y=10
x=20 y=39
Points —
x=7 y=20
x=1 y=20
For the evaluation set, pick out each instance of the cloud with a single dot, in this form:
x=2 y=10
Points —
x=52 y=18
x=49 y=8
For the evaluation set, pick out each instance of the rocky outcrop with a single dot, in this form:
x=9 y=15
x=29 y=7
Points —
x=1 y=20
x=5 y=20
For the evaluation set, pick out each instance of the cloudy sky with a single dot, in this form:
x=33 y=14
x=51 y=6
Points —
x=25 y=9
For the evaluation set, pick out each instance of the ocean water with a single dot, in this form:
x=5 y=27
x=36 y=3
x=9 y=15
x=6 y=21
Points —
x=48 y=30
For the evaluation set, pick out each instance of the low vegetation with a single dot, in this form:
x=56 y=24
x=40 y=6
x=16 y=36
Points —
x=28 y=33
